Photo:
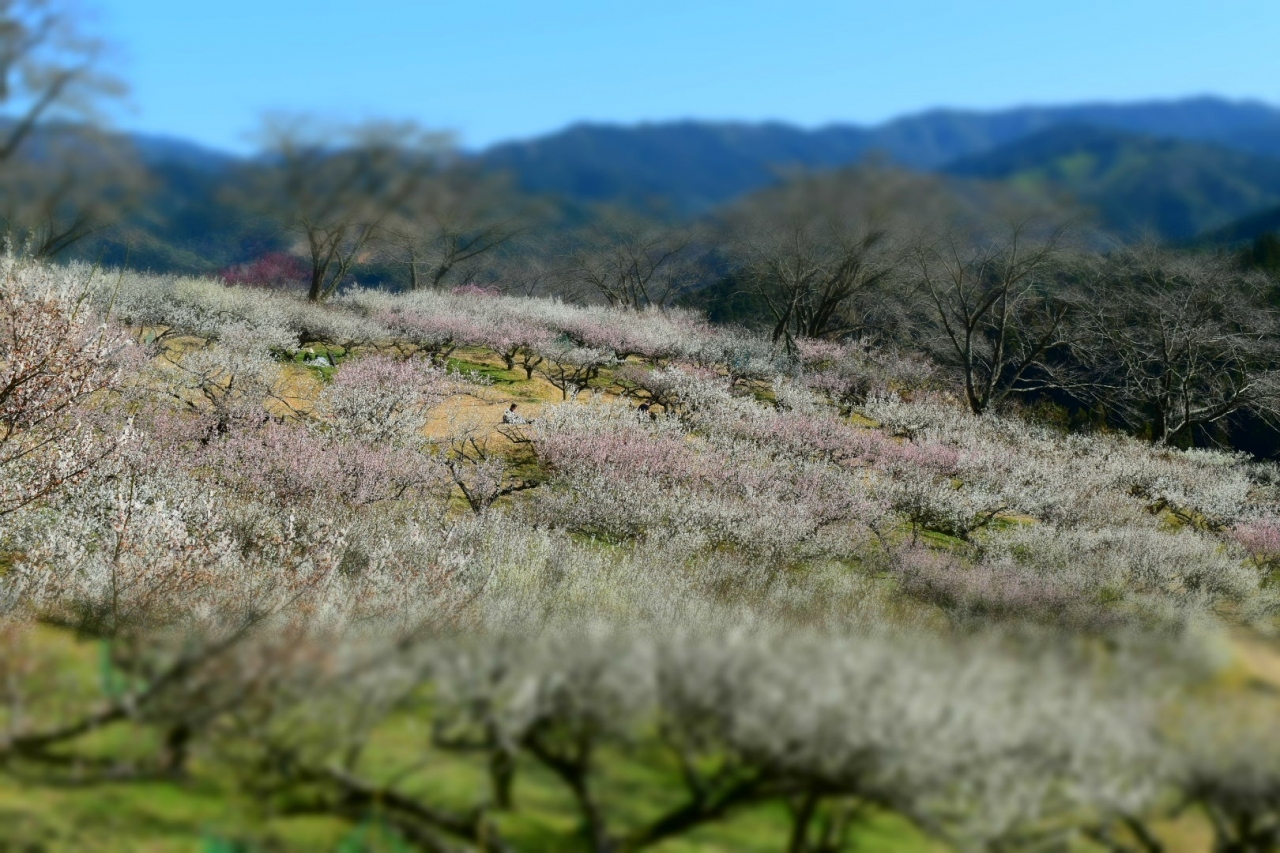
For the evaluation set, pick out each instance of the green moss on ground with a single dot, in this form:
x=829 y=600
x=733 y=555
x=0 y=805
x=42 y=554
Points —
x=64 y=809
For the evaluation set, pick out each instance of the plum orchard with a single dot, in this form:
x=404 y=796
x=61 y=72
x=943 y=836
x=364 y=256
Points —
x=1002 y=635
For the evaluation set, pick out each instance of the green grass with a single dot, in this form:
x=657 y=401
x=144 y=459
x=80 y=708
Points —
x=498 y=375
x=64 y=808
x=59 y=814
x=54 y=815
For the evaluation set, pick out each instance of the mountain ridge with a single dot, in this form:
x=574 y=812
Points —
x=1205 y=173
x=927 y=140
x=1137 y=183
x=699 y=165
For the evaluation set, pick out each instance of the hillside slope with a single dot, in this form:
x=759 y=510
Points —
x=1136 y=184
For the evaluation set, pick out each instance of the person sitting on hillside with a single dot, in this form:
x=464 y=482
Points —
x=510 y=416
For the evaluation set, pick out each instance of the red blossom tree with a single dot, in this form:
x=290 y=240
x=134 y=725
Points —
x=274 y=269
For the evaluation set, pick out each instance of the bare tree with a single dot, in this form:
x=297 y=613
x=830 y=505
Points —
x=48 y=68
x=459 y=218
x=59 y=183
x=75 y=186
x=991 y=314
x=634 y=264
x=809 y=271
x=521 y=270
x=828 y=248
x=1177 y=342
x=337 y=188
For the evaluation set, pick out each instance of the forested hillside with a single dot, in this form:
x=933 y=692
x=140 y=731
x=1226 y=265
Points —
x=1135 y=185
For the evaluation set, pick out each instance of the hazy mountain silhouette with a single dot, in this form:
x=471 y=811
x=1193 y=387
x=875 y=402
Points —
x=692 y=166
x=1175 y=168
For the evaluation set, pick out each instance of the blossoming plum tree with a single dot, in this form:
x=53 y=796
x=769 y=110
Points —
x=55 y=354
x=725 y=592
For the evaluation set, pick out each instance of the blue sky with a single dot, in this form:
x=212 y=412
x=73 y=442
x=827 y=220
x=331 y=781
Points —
x=506 y=69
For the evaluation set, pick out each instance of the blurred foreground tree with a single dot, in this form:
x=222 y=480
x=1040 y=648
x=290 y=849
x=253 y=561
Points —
x=48 y=69
x=60 y=179
x=78 y=183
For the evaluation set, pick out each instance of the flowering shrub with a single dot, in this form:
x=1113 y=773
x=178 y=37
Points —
x=1260 y=538
x=619 y=474
x=293 y=466
x=1078 y=479
x=274 y=269
x=436 y=334
x=847 y=375
x=474 y=290
x=1144 y=572
x=381 y=399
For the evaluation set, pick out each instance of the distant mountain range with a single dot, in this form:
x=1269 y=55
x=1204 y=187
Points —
x=1134 y=184
x=693 y=166
x=158 y=150
x=1173 y=169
